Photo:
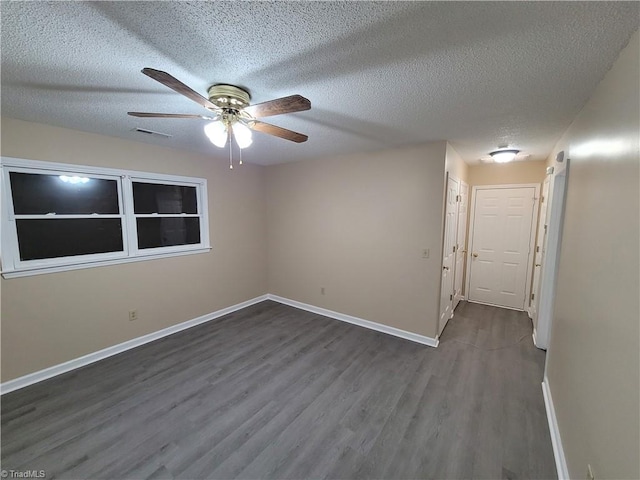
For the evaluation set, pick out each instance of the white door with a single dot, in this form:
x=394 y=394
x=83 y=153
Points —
x=461 y=241
x=500 y=244
x=541 y=244
x=448 y=255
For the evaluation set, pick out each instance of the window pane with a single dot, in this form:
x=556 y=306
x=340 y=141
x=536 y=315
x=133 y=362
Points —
x=53 y=238
x=156 y=198
x=38 y=194
x=164 y=232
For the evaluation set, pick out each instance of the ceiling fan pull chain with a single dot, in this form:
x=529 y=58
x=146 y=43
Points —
x=240 y=156
x=230 y=150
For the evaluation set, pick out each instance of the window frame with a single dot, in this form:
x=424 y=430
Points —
x=134 y=216
x=12 y=266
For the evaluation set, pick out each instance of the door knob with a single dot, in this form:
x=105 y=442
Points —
x=474 y=255
x=538 y=264
x=445 y=268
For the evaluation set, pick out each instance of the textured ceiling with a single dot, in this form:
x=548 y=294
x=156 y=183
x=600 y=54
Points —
x=378 y=74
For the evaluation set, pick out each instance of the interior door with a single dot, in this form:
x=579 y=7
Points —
x=541 y=245
x=500 y=246
x=448 y=255
x=461 y=241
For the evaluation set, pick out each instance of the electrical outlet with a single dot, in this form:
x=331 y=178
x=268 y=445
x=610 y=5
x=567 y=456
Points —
x=590 y=475
x=133 y=315
x=321 y=290
x=425 y=253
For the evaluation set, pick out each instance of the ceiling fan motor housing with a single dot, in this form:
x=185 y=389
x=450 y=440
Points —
x=229 y=97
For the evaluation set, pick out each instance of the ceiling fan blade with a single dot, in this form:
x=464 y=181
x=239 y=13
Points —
x=175 y=84
x=169 y=115
x=278 y=131
x=293 y=103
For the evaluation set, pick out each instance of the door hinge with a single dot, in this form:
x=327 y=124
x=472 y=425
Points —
x=538 y=249
x=454 y=249
x=458 y=199
x=533 y=296
x=450 y=297
x=542 y=199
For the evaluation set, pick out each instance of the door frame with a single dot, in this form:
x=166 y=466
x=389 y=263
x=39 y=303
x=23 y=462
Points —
x=551 y=264
x=532 y=236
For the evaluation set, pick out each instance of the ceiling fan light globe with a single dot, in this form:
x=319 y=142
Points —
x=242 y=135
x=217 y=133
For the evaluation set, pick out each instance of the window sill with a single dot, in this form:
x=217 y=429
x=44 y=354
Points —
x=103 y=263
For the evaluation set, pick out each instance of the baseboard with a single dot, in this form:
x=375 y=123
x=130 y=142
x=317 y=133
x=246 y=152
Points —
x=556 y=442
x=414 y=337
x=55 y=370
x=534 y=335
x=90 y=358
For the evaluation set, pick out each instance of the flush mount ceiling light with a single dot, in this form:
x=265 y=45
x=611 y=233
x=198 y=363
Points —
x=504 y=156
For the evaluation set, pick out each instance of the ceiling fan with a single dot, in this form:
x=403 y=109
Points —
x=233 y=116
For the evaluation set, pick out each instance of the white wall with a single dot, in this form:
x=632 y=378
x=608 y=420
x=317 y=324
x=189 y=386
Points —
x=49 y=319
x=593 y=364
x=455 y=165
x=507 y=173
x=356 y=225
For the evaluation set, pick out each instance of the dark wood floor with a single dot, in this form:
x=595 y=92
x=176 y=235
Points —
x=275 y=392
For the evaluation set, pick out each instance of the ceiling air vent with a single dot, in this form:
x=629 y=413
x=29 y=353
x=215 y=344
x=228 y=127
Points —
x=151 y=132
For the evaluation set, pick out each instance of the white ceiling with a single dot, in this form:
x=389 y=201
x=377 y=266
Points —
x=378 y=74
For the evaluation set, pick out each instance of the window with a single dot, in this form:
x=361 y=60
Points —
x=58 y=217
x=165 y=214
